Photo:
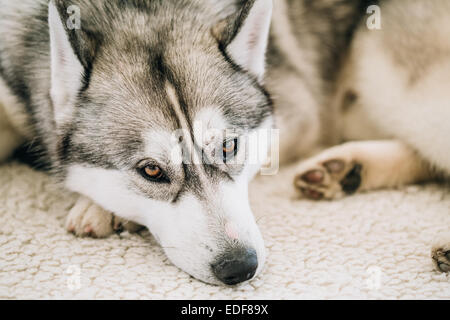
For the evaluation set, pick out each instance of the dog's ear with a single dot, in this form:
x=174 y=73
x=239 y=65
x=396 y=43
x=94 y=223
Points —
x=72 y=52
x=244 y=35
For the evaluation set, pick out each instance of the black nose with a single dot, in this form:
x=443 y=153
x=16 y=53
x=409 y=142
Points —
x=236 y=266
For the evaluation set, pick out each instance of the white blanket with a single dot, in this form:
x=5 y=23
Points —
x=374 y=245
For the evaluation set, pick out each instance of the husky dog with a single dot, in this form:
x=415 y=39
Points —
x=146 y=109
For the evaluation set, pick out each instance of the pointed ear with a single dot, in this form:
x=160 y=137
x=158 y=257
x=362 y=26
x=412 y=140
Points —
x=71 y=57
x=245 y=35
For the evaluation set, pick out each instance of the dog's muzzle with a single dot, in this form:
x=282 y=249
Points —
x=236 y=266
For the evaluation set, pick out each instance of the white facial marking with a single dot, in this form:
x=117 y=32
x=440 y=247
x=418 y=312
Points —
x=188 y=233
x=185 y=131
x=160 y=144
x=173 y=98
x=209 y=123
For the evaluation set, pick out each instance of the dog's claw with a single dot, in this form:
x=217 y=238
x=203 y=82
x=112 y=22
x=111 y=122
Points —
x=118 y=227
x=89 y=232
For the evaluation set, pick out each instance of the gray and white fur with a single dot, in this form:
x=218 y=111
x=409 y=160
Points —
x=99 y=106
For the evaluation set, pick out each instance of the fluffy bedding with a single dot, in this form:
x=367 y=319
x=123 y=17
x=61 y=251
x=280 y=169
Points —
x=370 y=246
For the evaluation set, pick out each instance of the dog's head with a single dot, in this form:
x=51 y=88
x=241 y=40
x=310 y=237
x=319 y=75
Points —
x=156 y=107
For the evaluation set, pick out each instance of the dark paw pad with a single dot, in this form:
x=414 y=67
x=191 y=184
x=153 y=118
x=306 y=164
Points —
x=352 y=180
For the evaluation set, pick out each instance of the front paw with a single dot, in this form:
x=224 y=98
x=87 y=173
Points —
x=86 y=219
x=328 y=177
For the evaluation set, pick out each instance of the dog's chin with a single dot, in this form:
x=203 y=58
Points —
x=206 y=276
x=210 y=280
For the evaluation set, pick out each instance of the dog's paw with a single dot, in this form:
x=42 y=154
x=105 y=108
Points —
x=441 y=257
x=328 y=177
x=87 y=219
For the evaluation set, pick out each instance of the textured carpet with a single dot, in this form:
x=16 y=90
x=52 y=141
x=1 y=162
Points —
x=374 y=245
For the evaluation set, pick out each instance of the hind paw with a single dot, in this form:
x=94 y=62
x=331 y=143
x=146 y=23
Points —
x=328 y=177
x=441 y=258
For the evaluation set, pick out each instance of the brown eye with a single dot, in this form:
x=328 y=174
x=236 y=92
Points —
x=230 y=149
x=154 y=173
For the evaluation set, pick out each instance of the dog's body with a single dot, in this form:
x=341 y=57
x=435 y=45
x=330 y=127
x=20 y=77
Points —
x=100 y=105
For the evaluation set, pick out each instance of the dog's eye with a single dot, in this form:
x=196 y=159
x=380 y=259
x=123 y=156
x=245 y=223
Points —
x=154 y=173
x=230 y=149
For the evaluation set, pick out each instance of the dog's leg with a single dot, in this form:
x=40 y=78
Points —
x=360 y=166
x=440 y=253
x=86 y=219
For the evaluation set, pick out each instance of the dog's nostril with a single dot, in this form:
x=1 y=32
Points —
x=236 y=266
